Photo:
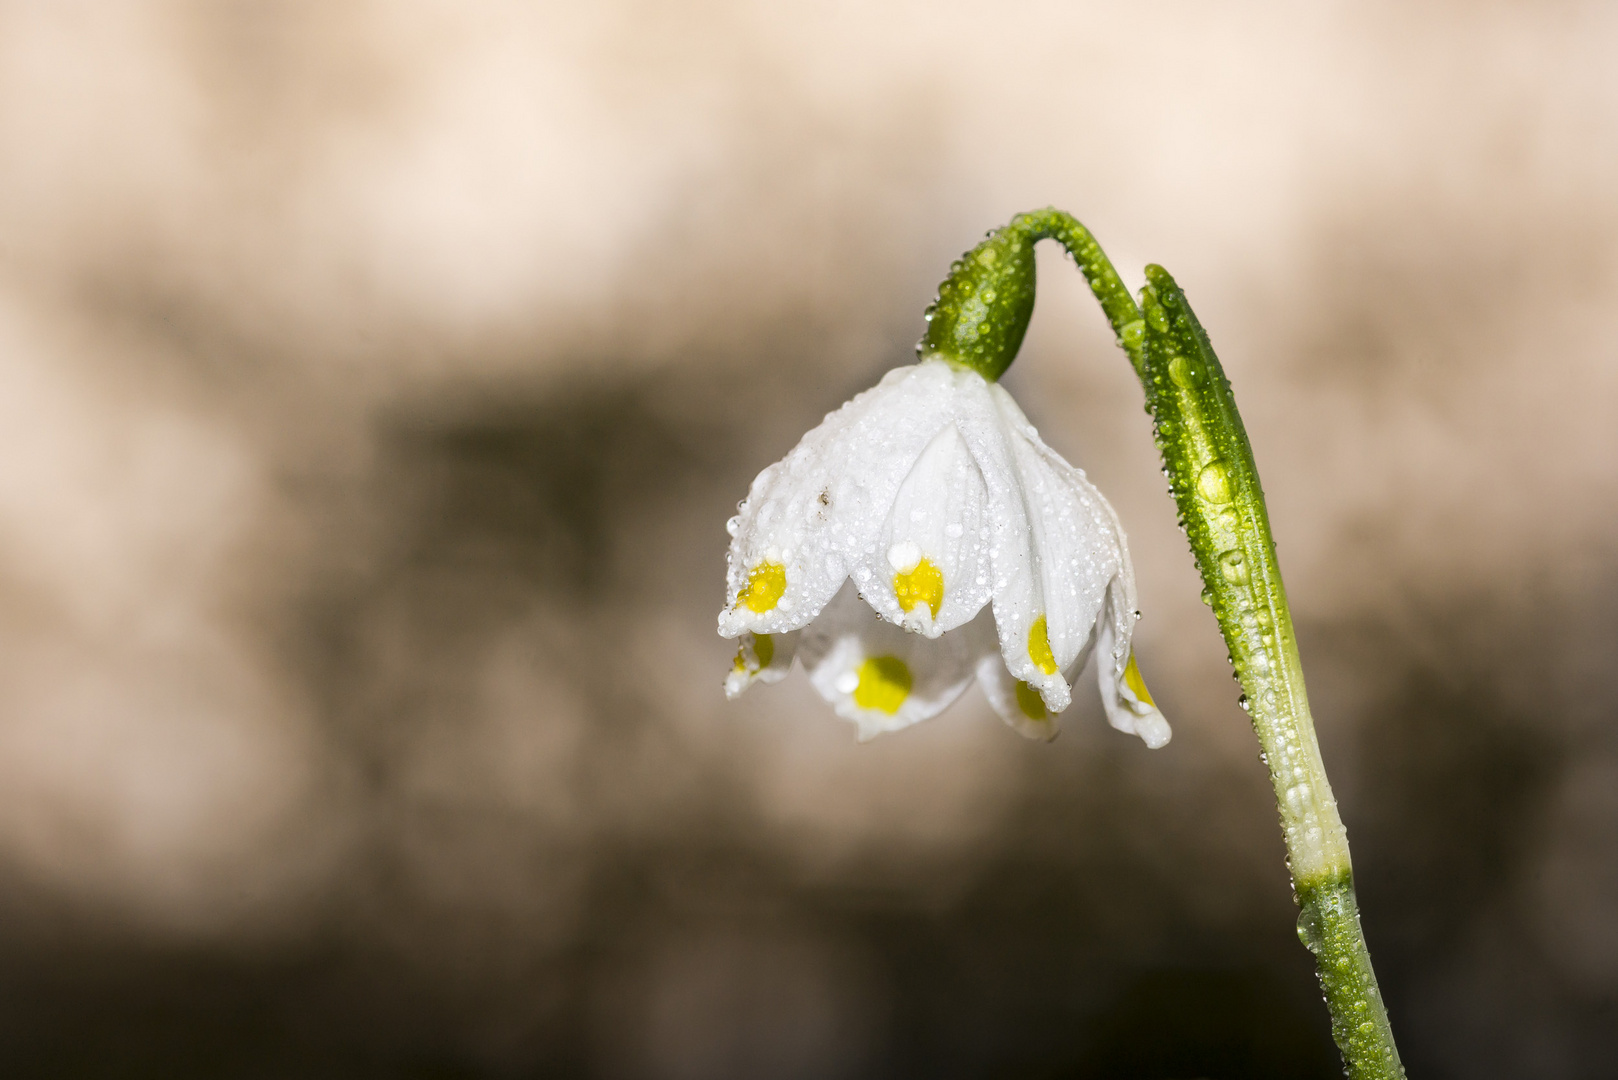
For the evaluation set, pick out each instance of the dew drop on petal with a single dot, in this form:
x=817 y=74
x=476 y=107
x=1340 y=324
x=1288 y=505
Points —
x=904 y=556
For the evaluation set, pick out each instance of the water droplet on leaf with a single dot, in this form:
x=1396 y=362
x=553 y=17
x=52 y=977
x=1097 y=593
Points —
x=1213 y=483
x=1233 y=564
x=1186 y=372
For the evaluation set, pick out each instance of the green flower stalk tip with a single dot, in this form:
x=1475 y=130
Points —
x=982 y=310
x=983 y=307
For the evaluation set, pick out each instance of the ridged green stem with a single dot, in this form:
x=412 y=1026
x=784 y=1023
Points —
x=978 y=322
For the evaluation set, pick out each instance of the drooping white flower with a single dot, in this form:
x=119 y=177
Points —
x=924 y=535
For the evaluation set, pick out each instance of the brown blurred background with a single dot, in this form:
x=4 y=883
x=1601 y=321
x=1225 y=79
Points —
x=376 y=380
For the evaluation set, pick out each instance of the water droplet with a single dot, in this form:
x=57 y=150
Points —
x=1233 y=564
x=733 y=525
x=1207 y=596
x=1309 y=931
x=1213 y=482
x=1246 y=705
x=1186 y=372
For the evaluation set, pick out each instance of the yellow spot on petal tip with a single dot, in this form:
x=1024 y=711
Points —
x=765 y=584
x=754 y=653
x=885 y=683
x=1039 y=647
x=1029 y=701
x=1136 y=684
x=923 y=585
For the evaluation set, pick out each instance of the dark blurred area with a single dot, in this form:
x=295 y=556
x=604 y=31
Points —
x=376 y=380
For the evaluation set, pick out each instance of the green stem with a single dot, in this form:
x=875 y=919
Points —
x=1216 y=487
x=1109 y=289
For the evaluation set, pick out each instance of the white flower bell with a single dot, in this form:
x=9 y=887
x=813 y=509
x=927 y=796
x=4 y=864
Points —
x=923 y=534
x=919 y=524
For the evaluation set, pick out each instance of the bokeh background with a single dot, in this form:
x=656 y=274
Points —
x=376 y=380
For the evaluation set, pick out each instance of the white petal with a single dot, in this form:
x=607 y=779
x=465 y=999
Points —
x=812 y=516
x=932 y=549
x=1018 y=703
x=1123 y=692
x=880 y=676
x=764 y=658
x=1056 y=568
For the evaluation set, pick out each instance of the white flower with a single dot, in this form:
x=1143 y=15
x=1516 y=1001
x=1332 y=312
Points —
x=918 y=525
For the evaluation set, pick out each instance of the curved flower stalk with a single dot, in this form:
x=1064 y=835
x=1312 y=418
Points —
x=924 y=535
x=858 y=554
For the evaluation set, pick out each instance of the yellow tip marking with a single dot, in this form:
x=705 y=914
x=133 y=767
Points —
x=764 y=587
x=1135 y=683
x=923 y=585
x=754 y=652
x=1039 y=647
x=1029 y=701
x=884 y=684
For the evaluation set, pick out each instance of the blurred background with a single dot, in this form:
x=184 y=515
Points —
x=376 y=380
